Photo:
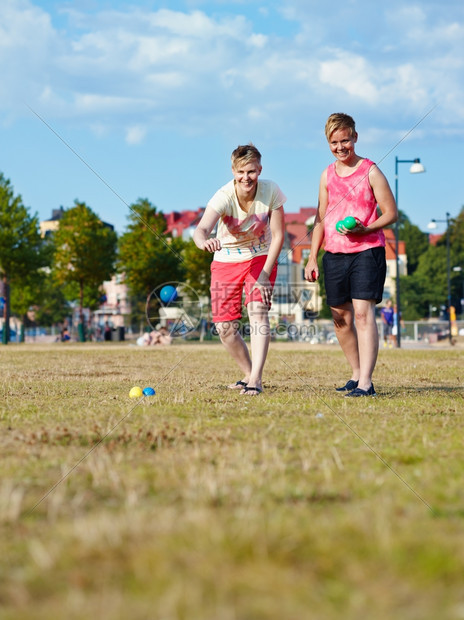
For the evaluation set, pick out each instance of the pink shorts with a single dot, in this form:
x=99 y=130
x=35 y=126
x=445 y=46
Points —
x=227 y=283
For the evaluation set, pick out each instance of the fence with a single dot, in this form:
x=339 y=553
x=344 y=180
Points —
x=417 y=331
x=315 y=332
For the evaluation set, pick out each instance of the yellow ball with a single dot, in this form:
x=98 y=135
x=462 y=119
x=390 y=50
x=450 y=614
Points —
x=136 y=392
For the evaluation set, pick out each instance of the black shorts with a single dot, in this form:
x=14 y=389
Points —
x=354 y=276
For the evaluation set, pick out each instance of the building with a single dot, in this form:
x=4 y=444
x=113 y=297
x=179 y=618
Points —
x=47 y=227
x=115 y=302
x=390 y=253
x=50 y=226
x=183 y=223
x=296 y=300
x=297 y=227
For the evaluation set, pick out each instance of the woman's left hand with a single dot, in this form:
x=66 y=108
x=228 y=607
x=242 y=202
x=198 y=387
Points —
x=263 y=284
x=359 y=229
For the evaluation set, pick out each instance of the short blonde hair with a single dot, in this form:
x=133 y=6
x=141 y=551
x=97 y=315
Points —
x=339 y=121
x=244 y=154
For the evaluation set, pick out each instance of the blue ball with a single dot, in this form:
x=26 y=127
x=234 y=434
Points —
x=168 y=294
x=149 y=391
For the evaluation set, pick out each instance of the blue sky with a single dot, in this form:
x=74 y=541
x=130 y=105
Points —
x=154 y=96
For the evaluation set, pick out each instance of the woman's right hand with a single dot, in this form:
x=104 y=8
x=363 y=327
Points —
x=311 y=272
x=211 y=245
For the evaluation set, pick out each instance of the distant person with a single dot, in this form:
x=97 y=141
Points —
x=98 y=333
x=250 y=233
x=107 y=332
x=65 y=336
x=395 y=324
x=159 y=336
x=144 y=339
x=354 y=260
x=386 y=315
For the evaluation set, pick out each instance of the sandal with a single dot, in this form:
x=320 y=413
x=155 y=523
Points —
x=247 y=389
x=238 y=385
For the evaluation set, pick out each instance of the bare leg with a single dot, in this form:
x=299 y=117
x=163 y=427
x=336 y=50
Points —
x=235 y=346
x=260 y=337
x=368 y=340
x=345 y=330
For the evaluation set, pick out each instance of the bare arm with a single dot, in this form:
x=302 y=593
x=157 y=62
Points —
x=311 y=269
x=384 y=198
x=277 y=226
x=385 y=201
x=203 y=230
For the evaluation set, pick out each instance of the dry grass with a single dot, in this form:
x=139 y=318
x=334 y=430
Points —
x=203 y=504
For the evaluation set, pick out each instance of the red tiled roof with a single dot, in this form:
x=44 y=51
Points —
x=302 y=216
x=179 y=221
x=434 y=238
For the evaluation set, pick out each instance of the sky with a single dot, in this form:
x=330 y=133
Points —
x=106 y=102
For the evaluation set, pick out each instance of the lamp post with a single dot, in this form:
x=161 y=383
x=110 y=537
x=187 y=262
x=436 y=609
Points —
x=432 y=225
x=416 y=168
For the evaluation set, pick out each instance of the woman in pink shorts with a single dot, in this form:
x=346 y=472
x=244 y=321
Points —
x=250 y=233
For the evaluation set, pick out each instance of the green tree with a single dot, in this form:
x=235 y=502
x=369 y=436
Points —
x=21 y=247
x=415 y=240
x=84 y=256
x=147 y=256
x=197 y=268
x=456 y=240
x=457 y=235
x=51 y=306
x=33 y=289
x=428 y=285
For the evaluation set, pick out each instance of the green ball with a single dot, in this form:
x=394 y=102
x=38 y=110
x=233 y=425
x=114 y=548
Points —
x=349 y=222
x=338 y=225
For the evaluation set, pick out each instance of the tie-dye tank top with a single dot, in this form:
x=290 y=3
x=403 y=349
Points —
x=351 y=195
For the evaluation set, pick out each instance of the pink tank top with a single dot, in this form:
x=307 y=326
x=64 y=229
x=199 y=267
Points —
x=351 y=195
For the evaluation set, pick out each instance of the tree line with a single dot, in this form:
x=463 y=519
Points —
x=70 y=266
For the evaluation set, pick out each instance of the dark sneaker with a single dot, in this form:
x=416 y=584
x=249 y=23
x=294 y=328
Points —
x=349 y=385
x=358 y=392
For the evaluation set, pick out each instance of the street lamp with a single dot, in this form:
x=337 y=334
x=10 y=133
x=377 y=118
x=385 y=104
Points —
x=416 y=168
x=432 y=225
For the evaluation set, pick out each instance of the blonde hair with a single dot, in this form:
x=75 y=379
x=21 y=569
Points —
x=339 y=121
x=244 y=154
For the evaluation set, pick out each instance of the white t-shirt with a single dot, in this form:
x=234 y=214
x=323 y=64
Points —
x=245 y=235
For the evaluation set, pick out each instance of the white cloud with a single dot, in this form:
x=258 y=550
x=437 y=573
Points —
x=138 y=68
x=27 y=42
x=351 y=74
x=135 y=134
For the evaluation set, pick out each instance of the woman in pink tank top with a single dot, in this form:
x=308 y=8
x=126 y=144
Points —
x=354 y=261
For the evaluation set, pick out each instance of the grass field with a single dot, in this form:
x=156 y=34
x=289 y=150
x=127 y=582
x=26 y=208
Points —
x=203 y=504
